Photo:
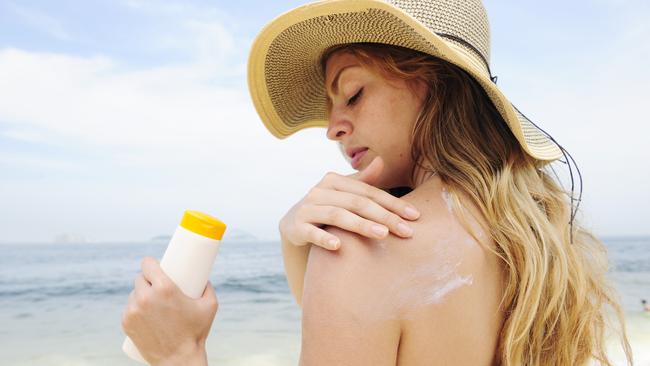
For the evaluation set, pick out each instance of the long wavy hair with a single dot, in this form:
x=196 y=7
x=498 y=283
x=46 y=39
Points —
x=556 y=292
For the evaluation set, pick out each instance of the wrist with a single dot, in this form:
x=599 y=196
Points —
x=194 y=356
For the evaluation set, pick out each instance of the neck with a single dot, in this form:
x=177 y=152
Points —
x=422 y=177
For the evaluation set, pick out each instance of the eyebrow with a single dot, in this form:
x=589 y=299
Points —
x=334 y=86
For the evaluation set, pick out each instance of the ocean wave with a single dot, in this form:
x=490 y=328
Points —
x=274 y=283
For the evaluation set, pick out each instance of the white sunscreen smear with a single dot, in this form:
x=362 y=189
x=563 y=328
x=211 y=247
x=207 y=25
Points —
x=431 y=279
x=451 y=285
x=434 y=272
x=447 y=198
x=428 y=285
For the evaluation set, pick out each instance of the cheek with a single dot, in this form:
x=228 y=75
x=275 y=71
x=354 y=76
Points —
x=390 y=120
x=399 y=131
x=402 y=154
x=397 y=154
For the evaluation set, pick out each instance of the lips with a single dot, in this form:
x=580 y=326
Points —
x=356 y=158
x=359 y=152
x=353 y=151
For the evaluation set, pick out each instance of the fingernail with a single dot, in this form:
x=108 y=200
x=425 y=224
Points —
x=404 y=229
x=412 y=212
x=333 y=243
x=379 y=230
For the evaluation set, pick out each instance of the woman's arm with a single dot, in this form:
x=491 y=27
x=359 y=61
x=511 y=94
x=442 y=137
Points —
x=196 y=358
x=347 y=316
x=295 y=265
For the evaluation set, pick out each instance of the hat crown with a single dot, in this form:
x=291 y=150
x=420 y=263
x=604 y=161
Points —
x=465 y=20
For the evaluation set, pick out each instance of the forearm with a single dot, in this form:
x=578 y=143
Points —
x=295 y=266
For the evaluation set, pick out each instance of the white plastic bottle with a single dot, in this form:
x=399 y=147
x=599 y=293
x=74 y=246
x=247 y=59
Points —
x=188 y=259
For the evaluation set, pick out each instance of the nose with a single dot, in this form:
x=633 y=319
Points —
x=338 y=127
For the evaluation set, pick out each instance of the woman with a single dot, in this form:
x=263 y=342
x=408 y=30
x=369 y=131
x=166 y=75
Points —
x=494 y=269
x=497 y=270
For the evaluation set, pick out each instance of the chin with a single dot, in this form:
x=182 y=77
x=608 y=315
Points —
x=390 y=179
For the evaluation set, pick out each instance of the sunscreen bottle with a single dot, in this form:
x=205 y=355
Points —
x=188 y=259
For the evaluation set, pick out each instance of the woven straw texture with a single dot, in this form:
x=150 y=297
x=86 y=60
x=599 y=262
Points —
x=287 y=84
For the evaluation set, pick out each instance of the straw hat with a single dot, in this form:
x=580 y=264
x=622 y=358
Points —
x=287 y=85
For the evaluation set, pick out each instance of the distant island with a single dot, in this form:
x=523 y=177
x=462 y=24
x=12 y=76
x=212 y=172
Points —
x=161 y=238
x=69 y=238
x=230 y=235
x=238 y=235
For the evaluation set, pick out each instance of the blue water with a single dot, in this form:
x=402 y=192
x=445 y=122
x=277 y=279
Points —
x=630 y=272
x=34 y=273
x=62 y=303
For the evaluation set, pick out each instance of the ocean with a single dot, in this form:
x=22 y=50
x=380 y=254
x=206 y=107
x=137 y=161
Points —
x=61 y=304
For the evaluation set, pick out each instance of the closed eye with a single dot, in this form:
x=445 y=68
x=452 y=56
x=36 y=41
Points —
x=353 y=100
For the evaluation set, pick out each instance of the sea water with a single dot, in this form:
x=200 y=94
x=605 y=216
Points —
x=61 y=304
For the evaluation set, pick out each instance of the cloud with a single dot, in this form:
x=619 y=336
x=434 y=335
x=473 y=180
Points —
x=109 y=151
x=90 y=100
x=145 y=143
x=17 y=161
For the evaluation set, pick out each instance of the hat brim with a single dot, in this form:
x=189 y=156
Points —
x=287 y=86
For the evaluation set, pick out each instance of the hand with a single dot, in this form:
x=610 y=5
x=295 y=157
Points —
x=167 y=326
x=351 y=203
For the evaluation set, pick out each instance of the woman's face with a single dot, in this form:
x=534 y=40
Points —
x=373 y=113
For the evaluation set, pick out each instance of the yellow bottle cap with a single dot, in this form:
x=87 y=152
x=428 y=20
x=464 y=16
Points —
x=203 y=224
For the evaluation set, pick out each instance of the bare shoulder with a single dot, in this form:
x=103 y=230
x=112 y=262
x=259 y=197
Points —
x=345 y=320
x=429 y=299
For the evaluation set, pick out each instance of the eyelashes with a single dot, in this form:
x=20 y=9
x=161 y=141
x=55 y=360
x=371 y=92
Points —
x=354 y=99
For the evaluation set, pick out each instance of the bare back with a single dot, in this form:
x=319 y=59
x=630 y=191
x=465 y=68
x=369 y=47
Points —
x=432 y=299
x=453 y=317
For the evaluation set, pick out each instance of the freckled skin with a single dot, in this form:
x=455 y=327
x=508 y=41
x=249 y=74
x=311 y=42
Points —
x=381 y=119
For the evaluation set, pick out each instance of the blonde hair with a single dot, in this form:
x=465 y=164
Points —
x=556 y=290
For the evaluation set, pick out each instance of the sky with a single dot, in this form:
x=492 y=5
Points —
x=116 y=116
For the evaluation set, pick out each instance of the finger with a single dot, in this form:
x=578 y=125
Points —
x=208 y=291
x=131 y=299
x=367 y=209
x=320 y=237
x=141 y=284
x=209 y=297
x=371 y=174
x=383 y=198
x=344 y=219
x=153 y=273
